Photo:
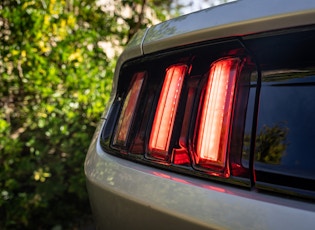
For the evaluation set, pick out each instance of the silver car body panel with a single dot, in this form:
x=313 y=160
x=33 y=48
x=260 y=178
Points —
x=125 y=194
x=232 y=19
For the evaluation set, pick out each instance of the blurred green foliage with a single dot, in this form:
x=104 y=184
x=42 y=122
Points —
x=55 y=80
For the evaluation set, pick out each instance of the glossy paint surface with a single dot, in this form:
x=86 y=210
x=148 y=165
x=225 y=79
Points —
x=228 y=20
x=124 y=194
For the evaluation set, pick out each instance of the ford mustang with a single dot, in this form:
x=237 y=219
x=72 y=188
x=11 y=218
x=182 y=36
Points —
x=211 y=123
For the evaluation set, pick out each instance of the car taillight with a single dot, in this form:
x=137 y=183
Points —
x=216 y=109
x=185 y=113
x=211 y=110
x=162 y=127
x=128 y=110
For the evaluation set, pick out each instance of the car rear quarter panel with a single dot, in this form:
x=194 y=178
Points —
x=232 y=19
x=124 y=194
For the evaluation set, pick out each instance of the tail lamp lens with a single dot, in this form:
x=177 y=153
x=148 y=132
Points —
x=204 y=139
x=165 y=112
x=128 y=110
x=216 y=113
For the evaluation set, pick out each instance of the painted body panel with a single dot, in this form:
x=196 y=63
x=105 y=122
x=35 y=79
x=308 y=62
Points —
x=228 y=20
x=124 y=193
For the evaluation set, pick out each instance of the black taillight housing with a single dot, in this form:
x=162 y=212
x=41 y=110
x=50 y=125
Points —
x=184 y=110
x=239 y=111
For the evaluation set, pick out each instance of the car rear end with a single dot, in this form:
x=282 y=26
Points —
x=211 y=123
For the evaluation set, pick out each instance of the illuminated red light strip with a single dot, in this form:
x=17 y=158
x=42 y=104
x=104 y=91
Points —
x=127 y=113
x=166 y=110
x=216 y=113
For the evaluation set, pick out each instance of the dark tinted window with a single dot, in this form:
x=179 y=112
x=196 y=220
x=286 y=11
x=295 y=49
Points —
x=284 y=154
x=286 y=125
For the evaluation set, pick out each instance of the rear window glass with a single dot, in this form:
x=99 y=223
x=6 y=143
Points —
x=285 y=134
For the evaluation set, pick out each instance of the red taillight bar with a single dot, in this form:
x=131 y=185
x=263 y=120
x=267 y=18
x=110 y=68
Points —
x=128 y=110
x=216 y=113
x=165 y=112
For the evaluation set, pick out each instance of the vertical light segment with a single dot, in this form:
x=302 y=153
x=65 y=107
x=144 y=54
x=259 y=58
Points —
x=128 y=110
x=215 y=119
x=166 y=110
